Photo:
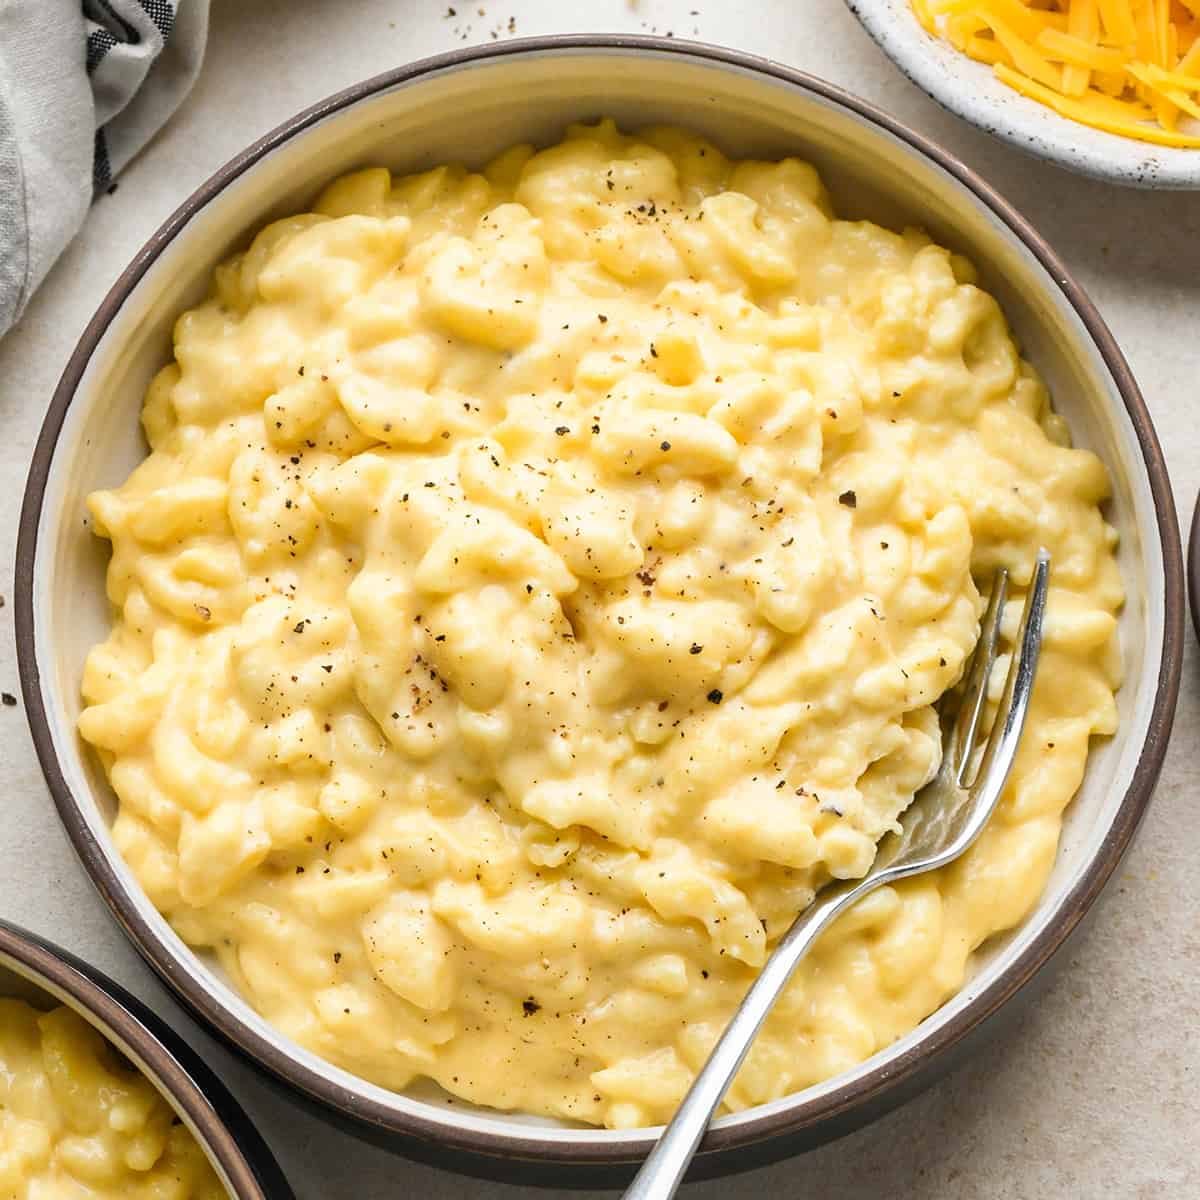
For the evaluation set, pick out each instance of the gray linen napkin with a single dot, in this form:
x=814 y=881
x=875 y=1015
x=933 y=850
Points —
x=83 y=86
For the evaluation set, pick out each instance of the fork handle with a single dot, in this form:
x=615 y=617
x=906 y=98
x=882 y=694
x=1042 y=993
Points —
x=663 y=1171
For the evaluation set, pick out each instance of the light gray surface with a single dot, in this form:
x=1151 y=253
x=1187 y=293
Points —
x=1093 y=1091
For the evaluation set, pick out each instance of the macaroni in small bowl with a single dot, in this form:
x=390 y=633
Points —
x=75 y=1122
x=540 y=583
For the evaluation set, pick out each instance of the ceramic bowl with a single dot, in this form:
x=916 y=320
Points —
x=970 y=90
x=45 y=976
x=467 y=106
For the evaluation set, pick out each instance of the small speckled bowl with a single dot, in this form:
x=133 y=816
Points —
x=45 y=976
x=970 y=90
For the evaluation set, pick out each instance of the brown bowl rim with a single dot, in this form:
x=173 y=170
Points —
x=821 y=1117
x=193 y=1089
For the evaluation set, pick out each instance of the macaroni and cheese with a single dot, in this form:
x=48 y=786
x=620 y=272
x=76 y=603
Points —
x=541 y=581
x=76 y=1122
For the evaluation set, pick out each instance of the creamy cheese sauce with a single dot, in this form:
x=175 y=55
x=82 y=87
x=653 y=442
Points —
x=540 y=583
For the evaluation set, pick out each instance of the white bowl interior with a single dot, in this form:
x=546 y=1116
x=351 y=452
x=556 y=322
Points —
x=971 y=90
x=17 y=981
x=468 y=115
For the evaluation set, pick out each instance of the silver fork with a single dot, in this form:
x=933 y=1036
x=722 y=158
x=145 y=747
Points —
x=945 y=817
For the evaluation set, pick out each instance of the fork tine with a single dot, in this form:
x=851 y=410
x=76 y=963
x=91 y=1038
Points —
x=1002 y=742
x=974 y=693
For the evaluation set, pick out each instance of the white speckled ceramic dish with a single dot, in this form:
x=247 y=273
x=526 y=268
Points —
x=970 y=90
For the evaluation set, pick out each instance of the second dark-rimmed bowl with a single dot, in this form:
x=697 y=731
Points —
x=467 y=106
x=45 y=976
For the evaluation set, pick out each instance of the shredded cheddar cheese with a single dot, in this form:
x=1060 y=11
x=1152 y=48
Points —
x=1130 y=67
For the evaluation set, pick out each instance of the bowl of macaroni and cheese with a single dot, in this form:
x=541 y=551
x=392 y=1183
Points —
x=99 y=1098
x=498 y=551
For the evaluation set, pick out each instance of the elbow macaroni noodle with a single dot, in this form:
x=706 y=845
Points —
x=77 y=1124
x=540 y=583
